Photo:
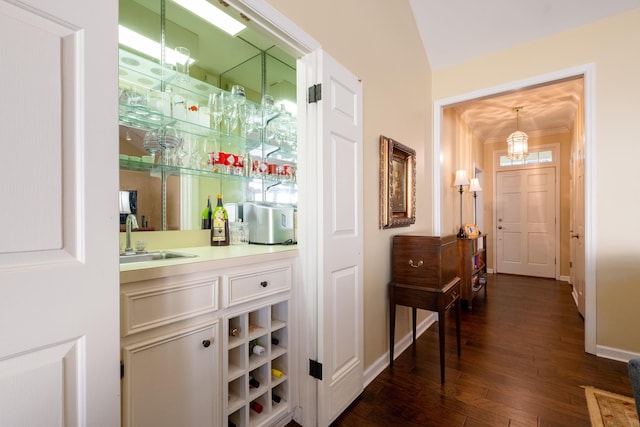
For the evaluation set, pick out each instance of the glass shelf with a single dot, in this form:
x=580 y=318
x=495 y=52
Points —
x=158 y=169
x=154 y=98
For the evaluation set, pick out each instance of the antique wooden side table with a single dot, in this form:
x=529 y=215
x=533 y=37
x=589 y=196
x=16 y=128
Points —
x=424 y=276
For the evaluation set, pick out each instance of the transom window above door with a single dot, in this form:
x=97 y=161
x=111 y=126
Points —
x=534 y=158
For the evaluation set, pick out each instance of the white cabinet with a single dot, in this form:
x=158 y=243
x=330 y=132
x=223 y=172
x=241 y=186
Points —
x=257 y=386
x=179 y=370
x=171 y=380
x=170 y=351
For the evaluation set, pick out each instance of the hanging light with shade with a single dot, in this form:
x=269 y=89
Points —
x=517 y=142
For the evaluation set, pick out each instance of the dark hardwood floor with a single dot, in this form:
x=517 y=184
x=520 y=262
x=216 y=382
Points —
x=522 y=364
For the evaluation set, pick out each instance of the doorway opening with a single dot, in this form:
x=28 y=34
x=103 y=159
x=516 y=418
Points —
x=443 y=166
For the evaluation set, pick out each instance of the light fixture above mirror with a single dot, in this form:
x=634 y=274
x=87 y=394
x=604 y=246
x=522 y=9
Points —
x=213 y=15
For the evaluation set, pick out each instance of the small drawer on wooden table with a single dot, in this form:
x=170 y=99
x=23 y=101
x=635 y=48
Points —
x=243 y=287
x=426 y=261
x=452 y=294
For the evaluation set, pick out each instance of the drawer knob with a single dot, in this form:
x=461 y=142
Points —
x=206 y=343
x=415 y=265
x=264 y=283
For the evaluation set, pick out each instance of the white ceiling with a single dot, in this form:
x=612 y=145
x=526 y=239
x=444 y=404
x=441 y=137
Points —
x=455 y=31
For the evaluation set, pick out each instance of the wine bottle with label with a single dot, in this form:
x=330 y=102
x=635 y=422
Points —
x=219 y=225
x=206 y=215
x=255 y=348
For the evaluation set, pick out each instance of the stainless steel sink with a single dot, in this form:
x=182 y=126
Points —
x=153 y=256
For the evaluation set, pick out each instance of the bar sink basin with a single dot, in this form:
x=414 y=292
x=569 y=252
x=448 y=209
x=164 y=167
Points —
x=153 y=256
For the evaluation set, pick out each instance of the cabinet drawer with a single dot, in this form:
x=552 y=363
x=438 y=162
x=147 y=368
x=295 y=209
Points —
x=155 y=303
x=427 y=261
x=452 y=294
x=243 y=287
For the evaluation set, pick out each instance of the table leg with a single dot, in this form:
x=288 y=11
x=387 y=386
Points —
x=441 y=333
x=414 y=311
x=392 y=325
x=458 y=324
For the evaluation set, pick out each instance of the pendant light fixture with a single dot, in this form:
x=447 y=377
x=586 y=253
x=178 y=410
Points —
x=517 y=142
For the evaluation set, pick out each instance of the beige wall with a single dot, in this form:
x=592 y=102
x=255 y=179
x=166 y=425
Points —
x=459 y=149
x=379 y=43
x=612 y=46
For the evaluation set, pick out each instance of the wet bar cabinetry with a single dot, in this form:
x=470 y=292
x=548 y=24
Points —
x=187 y=333
x=472 y=267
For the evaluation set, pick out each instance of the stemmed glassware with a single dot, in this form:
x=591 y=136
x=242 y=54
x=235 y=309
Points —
x=151 y=144
x=247 y=115
x=216 y=109
x=232 y=105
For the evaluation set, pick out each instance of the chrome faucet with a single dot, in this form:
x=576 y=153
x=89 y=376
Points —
x=130 y=223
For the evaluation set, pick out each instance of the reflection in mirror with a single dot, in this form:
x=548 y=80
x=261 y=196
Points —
x=174 y=169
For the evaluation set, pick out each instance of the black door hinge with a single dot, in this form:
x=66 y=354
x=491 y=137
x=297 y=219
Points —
x=315 y=369
x=121 y=370
x=315 y=93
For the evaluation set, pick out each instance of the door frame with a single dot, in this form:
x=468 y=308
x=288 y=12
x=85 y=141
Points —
x=555 y=165
x=588 y=73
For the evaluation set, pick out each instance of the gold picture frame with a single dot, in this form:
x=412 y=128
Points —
x=471 y=230
x=397 y=184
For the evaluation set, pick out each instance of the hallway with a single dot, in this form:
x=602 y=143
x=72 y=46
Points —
x=522 y=364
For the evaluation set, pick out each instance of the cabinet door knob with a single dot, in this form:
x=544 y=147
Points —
x=414 y=265
x=264 y=283
x=206 y=343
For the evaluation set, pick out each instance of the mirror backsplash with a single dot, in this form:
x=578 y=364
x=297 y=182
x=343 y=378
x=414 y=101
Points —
x=217 y=63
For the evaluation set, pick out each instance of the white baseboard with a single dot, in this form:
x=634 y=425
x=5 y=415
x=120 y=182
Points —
x=565 y=279
x=383 y=361
x=615 y=354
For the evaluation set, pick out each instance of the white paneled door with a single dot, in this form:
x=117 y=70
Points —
x=59 y=343
x=526 y=222
x=340 y=233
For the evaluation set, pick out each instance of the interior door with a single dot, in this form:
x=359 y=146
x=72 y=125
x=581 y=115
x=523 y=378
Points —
x=340 y=238
x=58 y=226
x=526 y=222
x=577 y=248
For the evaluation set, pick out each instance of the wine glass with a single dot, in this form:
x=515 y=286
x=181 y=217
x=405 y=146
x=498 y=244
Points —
x=150 y=143
x=216 y=109
x=247 y=115
x=230 y=113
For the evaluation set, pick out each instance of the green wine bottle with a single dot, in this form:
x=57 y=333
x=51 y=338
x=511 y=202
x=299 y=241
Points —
x=219 y=225
x=206 y=215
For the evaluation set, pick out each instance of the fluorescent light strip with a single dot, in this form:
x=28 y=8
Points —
x=212 y=14
x=147 y=46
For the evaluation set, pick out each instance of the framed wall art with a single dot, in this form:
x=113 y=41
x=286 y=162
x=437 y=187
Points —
x=397 y=184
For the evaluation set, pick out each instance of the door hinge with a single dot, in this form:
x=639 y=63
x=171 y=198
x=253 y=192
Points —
x=315 y=369
x=121 y=370
x=315 y=93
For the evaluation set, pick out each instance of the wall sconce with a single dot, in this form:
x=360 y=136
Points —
x=461 y=180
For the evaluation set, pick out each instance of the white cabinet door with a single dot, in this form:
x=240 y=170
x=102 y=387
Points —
x=58 y=247
x=172 y=380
